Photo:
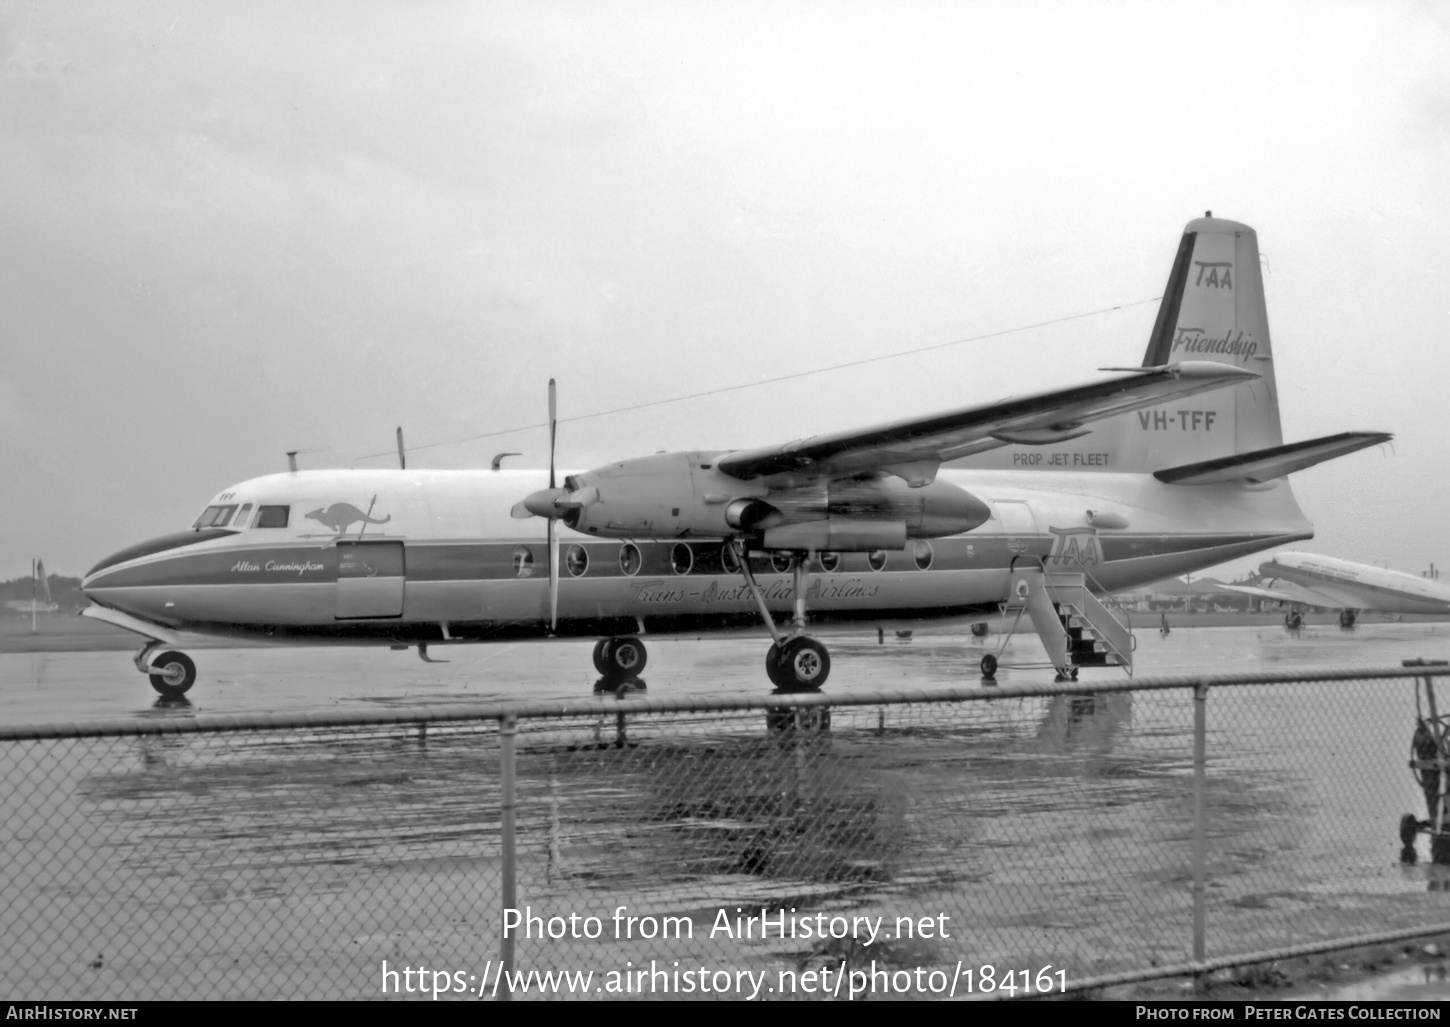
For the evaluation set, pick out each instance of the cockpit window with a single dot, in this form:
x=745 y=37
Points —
x=242 y=515
x=214 y=517
x=272 y=516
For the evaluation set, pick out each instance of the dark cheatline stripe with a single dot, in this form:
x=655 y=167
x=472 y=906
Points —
x=494 y=561
x=1161 y=341
x=159 y=545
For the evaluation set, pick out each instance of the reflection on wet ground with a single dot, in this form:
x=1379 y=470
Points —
x=1050 y=831
x=70 y=686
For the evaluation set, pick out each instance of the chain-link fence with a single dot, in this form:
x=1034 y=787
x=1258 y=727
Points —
x=846 y=846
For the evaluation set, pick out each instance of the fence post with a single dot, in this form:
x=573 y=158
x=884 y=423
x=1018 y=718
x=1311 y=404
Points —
x=1200 y=833
x=507 y=729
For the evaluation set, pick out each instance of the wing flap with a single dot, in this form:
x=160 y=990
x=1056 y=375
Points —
x=1266 y=464
x=1037 y=419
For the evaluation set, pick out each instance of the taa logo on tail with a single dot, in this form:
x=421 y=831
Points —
x=1214 y=274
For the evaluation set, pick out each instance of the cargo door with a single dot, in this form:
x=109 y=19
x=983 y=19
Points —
x=369 y=579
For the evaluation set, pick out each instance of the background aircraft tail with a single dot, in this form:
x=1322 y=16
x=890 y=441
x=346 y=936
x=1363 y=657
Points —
x=1212 y=309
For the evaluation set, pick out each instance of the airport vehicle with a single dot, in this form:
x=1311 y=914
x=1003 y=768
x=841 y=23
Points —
x=1305 y=579
x=1037 y=504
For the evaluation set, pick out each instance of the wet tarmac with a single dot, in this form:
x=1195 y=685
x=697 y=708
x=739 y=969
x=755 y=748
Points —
x=44 y=687
x=1076 y=827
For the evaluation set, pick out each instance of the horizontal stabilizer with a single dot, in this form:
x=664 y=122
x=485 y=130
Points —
x=1267 y=464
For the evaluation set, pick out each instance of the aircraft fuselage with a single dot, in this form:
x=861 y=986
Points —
x=393 y=556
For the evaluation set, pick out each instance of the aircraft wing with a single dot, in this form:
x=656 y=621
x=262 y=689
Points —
x=1289 y=592
x=914 y=448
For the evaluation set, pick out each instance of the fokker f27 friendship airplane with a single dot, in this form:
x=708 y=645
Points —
x=1048 y=499
x=1304 y=579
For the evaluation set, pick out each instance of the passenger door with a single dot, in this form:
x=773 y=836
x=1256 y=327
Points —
x=369 y=579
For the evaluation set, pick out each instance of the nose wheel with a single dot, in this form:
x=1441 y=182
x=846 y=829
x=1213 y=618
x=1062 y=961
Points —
x=172 y=674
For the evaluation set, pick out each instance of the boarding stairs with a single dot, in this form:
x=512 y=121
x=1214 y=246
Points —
x=1075 y=628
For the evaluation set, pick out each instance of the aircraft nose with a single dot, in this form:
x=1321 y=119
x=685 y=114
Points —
x=104 y=572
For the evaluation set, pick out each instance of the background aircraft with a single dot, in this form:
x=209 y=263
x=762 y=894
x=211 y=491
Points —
x=1036 y=504
x=1305 y=579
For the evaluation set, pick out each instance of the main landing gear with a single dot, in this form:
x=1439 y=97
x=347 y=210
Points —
x=172 y=673
x=794 y=662
x=619 y=659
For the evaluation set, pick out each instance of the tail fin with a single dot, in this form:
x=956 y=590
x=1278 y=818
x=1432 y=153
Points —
x=1212 y=309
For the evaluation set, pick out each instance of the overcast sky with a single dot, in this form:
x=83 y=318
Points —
x=231 y=230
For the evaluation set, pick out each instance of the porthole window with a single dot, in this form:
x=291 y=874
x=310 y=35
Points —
x=780 y=561
x=921 y=552
x=876 y=559
x=830 y=562
x=577 y=560
x=681 y=559
x=523 y=562
x=629 y=559
x=728 y=560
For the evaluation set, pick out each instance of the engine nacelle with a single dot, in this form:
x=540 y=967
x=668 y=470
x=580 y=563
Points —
x=681 y=495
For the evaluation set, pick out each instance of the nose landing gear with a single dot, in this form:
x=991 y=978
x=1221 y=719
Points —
x=172 y=673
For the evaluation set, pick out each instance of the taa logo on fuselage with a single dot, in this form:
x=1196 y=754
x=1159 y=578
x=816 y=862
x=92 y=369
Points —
x=1074 y=547
x=1215 y=274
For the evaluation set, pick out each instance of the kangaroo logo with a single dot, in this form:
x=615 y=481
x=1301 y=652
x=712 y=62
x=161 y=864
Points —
x=339 y=516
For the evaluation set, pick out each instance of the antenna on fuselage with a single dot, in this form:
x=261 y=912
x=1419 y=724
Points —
x=292 y=460
x=402 y=461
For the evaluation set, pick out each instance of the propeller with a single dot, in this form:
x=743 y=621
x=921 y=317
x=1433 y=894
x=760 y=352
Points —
x=553 y=503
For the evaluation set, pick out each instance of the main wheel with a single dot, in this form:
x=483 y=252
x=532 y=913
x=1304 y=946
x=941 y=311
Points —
x=803 y=665
x=623 y=658
x=773 y=669
x=175 y=675
x=989 y=666
x=599 y=662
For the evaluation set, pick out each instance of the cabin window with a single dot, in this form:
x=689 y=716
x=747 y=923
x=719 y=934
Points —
x=728 y=559
x=921 y=553
x=780 y=562
x=629 y=559
x=523 y=562
x=577 y=560
x=876 y=559
x=681 y=559
x=272 y=516
x=215 y=517
x=830 y=562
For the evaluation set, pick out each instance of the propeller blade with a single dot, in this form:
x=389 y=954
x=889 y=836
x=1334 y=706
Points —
x=553 y=579
x=553 y=428
x=583 y=497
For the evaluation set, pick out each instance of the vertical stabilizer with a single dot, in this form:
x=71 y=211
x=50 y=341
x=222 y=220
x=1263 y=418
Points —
x=1212 y=309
